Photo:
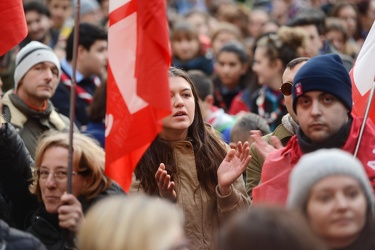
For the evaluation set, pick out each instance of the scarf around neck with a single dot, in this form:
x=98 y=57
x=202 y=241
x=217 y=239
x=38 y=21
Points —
x=335 y=141
x=29 y=112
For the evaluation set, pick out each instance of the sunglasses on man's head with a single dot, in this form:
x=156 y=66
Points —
x=286 y=88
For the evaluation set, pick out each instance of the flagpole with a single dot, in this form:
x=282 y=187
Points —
x=364 y=119
x=73 y=95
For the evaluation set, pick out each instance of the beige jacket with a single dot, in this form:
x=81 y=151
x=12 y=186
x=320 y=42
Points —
x=203 y=213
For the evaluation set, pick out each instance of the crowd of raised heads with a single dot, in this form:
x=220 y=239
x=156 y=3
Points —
x=268 y=35
x=271 y=34
x=261 y=150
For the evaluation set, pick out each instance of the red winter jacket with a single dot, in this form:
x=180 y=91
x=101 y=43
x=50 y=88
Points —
x=279 y=164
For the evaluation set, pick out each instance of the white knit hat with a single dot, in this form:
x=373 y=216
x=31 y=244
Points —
x=33 y=53
x=313 y=167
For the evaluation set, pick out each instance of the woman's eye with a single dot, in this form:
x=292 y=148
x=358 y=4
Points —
x=61 y=173
x=44 y=173
x=323 y=197
x=352 y=193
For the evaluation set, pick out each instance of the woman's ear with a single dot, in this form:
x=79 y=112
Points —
x=245 y=68
x=278 y=64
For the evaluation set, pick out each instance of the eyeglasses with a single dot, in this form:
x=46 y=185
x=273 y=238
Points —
x=59 y=175
x=286 y=88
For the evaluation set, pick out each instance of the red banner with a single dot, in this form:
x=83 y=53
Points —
x=13 y=28
x=138 y=89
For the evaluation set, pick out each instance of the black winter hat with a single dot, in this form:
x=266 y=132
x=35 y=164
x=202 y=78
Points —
x=323 y=73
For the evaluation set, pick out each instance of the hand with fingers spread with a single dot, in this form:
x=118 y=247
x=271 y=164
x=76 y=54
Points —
x=233 y=165
x=165 y=185
x=264 y=148
x=70 y=213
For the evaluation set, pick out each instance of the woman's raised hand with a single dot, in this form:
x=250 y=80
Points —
x=233 y=165
x=165 y=185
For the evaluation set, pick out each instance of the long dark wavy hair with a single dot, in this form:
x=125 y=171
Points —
x=209 y=151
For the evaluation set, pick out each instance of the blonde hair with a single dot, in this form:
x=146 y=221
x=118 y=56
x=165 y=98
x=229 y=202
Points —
x=228 y=28
x=88 y=161
x=131 y=223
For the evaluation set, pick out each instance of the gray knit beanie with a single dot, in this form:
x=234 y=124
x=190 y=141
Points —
x=33 y=53
x=315 y=166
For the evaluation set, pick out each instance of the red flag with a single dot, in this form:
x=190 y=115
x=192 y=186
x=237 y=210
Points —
x=362 y=75
x=13 y=28
x=138 y=88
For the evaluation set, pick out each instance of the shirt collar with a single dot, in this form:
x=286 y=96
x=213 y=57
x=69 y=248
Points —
x=65 y=66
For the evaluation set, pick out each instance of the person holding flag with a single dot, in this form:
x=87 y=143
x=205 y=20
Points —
x=189 y=165
x=58 y=209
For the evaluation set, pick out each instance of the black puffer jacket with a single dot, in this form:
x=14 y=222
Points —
x=13 y=239
x=46 y=227
x=15 y=178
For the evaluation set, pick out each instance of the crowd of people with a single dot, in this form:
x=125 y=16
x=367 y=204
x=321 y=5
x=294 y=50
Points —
x=261 y=149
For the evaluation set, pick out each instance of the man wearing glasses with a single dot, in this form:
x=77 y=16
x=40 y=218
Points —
x=322 y=102
x=282 y=133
